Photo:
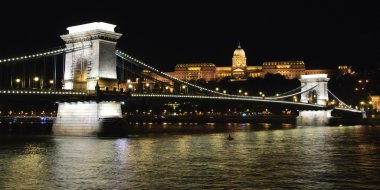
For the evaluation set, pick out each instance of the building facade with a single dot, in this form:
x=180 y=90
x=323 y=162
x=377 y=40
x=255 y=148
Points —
x=289 y=69
x=375 y=102
x=239 y=64
x=195 y=71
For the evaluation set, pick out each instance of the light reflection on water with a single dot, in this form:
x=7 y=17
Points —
x=296 y=158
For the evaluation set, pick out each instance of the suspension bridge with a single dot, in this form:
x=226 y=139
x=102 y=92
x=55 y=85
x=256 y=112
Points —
x=90 y=78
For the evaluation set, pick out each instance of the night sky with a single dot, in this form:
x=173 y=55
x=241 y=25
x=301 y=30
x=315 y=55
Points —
x=322 y=33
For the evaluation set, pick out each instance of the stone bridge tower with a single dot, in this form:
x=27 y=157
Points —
x=95 y=59
x=320 y=93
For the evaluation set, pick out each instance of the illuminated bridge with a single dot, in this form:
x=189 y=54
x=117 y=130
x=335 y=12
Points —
x=90 y=79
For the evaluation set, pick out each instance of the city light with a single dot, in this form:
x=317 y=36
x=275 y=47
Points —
x=18 y=80
x=51 y=81
x=36 y=79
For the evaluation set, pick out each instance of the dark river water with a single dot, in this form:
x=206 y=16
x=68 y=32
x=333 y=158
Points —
x=296 y=158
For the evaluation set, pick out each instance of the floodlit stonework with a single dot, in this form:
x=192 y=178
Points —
x=94 y=60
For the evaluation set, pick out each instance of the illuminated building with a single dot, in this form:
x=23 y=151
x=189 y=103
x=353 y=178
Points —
x=344 y=69
x=239 y=64
x=239 y=69
x=289 y=69
x=189 y=72
x=375 y=102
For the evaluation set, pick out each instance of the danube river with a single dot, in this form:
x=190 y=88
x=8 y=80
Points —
x=290 y=157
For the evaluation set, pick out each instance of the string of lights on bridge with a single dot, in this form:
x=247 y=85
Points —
x=42 y=92
x=222 y=98
x=44 y=54
x=234 y=98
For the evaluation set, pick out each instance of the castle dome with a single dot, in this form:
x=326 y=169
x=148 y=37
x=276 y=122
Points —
x=239 y=52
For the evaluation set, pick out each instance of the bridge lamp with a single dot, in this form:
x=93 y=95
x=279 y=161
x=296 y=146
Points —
x=217 y=89
x=183 y=86
x=245 y=93
x=240 y=91
x=36 y=79
x=224 y=91
x=51 y=81
x=260 y=93
x=18 y=80
x=147 y=84
x=277 y=94
x=166 y=87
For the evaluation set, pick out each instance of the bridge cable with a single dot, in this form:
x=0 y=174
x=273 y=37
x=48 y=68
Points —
x=145 y=76
x=290 y=91
x=294 y=94
x=339 y=99
x=44 y=54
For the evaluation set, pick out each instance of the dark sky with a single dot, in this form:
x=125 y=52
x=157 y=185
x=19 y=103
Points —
x=322 y=33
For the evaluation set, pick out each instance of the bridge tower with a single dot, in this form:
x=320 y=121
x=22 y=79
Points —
x=319 y=95
x=95 y=61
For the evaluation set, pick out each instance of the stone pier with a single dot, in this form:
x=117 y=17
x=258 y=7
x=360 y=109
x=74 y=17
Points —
x=84 y=118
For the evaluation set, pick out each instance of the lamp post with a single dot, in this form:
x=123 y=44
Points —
x=147 y=86
x=36 y=79
x=51 y=82
x=18 y=82
x=184 y=88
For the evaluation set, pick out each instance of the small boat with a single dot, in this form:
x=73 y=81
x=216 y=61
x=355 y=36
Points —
x=230 y=138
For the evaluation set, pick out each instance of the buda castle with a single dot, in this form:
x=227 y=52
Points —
x=239 y=69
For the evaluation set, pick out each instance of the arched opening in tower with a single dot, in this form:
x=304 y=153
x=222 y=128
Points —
x=80 y=74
